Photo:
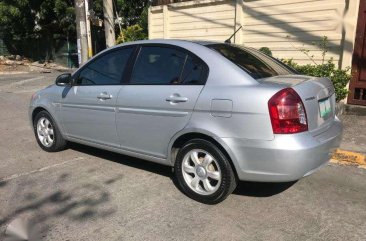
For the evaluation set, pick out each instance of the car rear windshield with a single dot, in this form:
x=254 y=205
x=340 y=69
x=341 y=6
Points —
x=255 y=63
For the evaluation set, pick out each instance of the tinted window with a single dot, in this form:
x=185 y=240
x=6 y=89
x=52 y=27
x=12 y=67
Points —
x=194 y=72
x=105 y=70
x=254 y=63
x=158 y=65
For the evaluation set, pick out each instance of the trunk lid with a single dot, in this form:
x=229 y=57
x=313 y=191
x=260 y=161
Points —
x=316 y=93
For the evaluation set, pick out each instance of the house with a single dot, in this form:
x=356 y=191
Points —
x=284 y=26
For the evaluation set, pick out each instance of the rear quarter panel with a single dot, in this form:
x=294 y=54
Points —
x=248 y=118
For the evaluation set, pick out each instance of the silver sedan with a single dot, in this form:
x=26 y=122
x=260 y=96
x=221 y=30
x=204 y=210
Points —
x=216 y=112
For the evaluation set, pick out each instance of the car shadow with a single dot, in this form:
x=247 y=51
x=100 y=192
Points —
x=261 y=189
x=253 y=189
x=123 y=159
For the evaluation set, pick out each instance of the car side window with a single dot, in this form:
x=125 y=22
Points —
x=158 y=66
x=105 y=70
x=194 y=72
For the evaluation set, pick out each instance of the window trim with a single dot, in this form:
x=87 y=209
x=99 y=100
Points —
x=171 y=46
x=123 y=79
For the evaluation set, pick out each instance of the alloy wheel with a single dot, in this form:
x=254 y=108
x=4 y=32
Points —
x=45 y=132
x=201 y=172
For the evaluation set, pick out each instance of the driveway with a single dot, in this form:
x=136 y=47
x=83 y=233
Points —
x=89 y=194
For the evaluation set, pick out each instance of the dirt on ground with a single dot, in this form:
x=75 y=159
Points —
x=17 y=63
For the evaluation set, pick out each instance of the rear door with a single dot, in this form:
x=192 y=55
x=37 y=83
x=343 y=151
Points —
x=164 y=86
x=88 y=107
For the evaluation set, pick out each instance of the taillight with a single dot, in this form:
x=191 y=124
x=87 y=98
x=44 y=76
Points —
x=287 y=112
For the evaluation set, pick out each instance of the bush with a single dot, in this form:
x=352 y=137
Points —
x=131 y=33
x=266 y=51
x=339 y=77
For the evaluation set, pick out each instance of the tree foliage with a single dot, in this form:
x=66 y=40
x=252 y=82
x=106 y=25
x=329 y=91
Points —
x=131 y=33
x=32 y=18
x=131 y=12
x=24 y=20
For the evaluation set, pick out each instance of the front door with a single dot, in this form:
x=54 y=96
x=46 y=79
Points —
x=88 y=107
x=159 y=99
x=357 y=94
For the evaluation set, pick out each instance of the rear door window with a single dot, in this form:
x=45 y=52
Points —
x=194 y=71
x=159 y=65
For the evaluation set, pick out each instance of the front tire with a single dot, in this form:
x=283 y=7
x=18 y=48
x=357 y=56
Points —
x=203 y=172
x=47 y=133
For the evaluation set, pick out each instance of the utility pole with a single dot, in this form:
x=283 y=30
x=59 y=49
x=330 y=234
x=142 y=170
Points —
x=109 y=23
x=88 y=29
x=82 y=41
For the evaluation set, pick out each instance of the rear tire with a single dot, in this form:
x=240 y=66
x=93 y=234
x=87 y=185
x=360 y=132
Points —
x=47 y=133
x=203 y=172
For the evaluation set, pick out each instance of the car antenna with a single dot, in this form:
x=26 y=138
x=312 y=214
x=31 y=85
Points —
x=228 y=41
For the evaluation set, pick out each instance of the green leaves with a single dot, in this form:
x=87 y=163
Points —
x=27 y=18
x=339 y=77
x=131 y=33
x=132 y=12
x=266 y=51
x=326 y=68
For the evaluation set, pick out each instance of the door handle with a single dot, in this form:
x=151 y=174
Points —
x=104 y=96
x=176 y=99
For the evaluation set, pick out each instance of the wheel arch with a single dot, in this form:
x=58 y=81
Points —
x=40 y=108
x=181 y=138
x=36 y=111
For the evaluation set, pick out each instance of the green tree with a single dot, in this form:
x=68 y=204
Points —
x=132 y=12
x=24 y=20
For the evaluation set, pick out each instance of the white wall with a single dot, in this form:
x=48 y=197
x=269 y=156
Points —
x=285 y=26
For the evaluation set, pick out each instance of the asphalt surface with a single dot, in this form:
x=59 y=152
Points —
x=354 y=138
x=89 y=194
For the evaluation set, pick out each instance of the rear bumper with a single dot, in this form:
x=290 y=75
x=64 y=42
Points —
x=286 y=158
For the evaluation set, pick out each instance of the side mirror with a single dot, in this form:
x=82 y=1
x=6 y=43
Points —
x=64 y=80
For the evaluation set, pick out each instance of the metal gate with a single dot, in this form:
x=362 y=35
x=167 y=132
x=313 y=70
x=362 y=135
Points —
x=357 y=87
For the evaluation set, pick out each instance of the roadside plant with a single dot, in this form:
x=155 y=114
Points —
x=326 y=68
x=266 y=51
x=131 y=33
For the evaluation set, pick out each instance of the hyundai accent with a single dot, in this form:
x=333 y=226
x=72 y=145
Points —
x=216 y=112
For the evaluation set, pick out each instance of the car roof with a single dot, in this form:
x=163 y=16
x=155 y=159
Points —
x=180 y=42
x=173 y=41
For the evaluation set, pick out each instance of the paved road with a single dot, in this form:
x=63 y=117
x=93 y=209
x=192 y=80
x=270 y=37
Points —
x=89 y=194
